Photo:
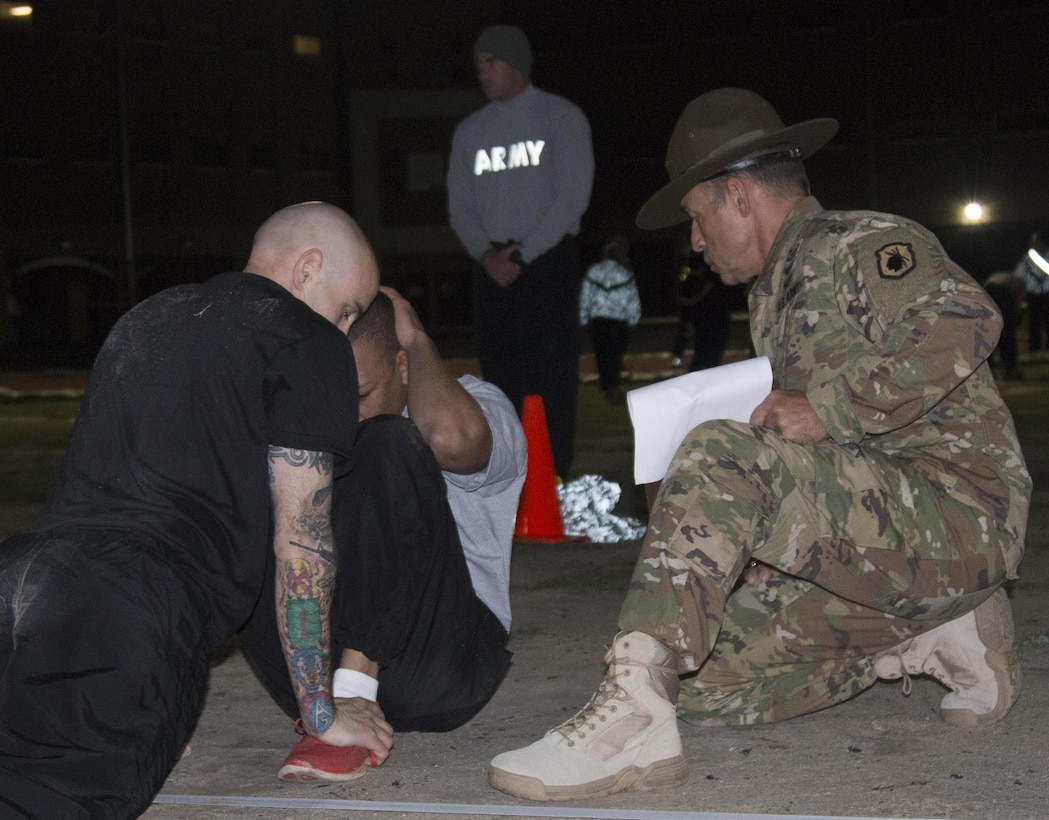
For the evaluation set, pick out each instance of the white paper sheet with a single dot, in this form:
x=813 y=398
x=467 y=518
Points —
x=664 y=412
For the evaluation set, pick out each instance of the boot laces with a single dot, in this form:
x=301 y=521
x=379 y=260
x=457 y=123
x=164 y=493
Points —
x=590 y=715
x=607 y=693
x=908 y=684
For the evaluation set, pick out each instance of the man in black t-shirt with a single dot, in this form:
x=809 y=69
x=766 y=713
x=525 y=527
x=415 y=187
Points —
x=212 y=411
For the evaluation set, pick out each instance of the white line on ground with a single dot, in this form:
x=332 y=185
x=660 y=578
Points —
x=481 y=810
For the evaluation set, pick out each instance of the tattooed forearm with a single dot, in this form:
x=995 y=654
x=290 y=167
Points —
x=314 y=524
x=321 y=462
x=325 y=552
x=303 y=543
x=304 y=515
x=311 y=529
x=324 y=566
x=304 y=630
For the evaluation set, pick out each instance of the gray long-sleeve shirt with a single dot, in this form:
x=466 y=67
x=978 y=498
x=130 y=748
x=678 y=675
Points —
x=520 y=170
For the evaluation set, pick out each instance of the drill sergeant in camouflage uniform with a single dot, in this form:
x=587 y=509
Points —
x=860 y=526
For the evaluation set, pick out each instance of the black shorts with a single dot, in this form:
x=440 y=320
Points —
x=403 y=594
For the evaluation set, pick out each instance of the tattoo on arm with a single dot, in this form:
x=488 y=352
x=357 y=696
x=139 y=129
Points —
x=306 y=632
x=321 y=462
x=303 y=542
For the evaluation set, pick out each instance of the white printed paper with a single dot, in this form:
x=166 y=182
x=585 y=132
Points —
x=663 y=413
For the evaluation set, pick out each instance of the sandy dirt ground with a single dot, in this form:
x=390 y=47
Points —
x=880 y=755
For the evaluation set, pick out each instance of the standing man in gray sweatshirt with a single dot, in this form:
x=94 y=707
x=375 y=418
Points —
x=519 y=181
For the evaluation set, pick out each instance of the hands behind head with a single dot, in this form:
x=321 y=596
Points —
x=406 y=321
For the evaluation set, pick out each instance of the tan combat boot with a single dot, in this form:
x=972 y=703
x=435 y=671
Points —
x=625 y=738
x=972 y=655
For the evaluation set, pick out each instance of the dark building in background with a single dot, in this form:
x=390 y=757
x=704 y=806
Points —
x=142 y=142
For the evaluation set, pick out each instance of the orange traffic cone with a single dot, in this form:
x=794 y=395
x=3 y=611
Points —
x=539 y=512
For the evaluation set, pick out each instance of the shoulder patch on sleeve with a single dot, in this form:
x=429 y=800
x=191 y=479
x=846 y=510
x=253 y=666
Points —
x=896 y=260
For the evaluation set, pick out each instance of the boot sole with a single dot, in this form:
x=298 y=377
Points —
x=662 y=774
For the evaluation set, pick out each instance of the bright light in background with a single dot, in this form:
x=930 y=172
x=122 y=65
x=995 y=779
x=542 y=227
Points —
x=8 y=9
x=973 y=213
x=1036 y=257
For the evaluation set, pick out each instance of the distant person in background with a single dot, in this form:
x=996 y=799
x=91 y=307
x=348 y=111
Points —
x=1007 y=290
x=705 y=305
x=1033 y=271
x=519 y=181
x=609 y=303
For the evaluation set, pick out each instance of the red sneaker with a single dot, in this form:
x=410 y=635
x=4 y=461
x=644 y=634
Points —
x=313 y=760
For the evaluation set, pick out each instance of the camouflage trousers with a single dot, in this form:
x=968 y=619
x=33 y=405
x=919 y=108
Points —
x=865 y=551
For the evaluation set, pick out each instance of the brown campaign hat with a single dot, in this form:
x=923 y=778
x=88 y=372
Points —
x=720 y=129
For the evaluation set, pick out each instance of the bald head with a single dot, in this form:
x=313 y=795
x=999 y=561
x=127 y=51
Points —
x=318 y=253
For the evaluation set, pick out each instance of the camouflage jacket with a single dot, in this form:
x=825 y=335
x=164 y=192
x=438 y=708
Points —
x=889 y=339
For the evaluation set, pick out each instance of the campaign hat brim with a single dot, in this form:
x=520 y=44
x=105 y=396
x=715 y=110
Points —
x=716 y=131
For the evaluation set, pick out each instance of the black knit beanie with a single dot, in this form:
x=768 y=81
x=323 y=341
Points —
x=507 y=43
